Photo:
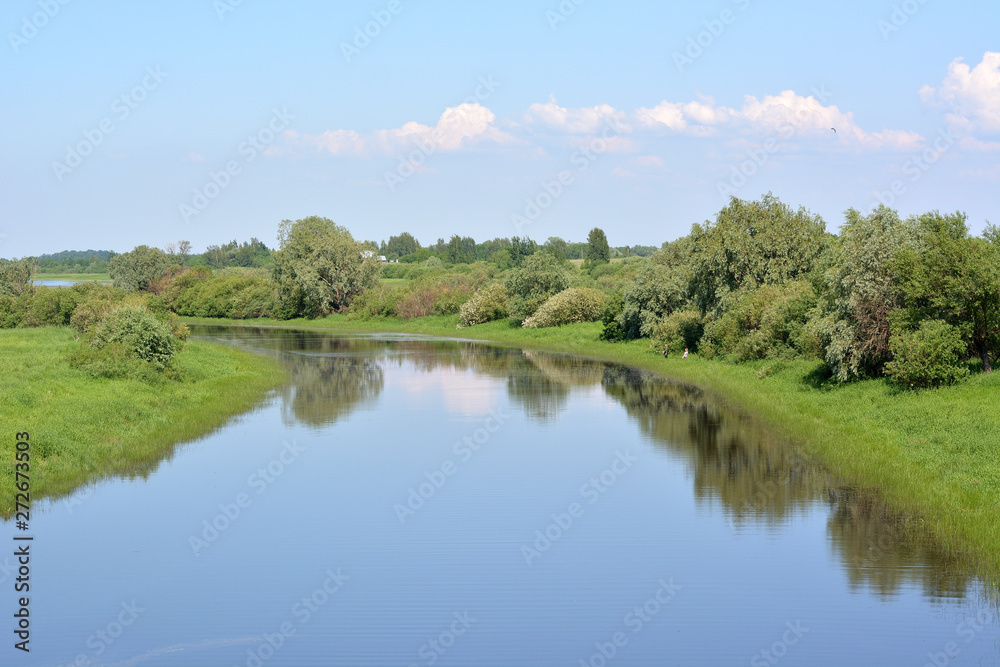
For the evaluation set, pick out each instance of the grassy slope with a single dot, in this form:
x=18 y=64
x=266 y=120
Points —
x=933 y=454
x=83 y=428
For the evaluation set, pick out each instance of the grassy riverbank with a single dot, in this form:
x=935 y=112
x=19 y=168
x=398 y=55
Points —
x=933 y=455
x=83 y=428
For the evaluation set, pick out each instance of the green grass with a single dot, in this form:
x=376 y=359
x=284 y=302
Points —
x=83 y=428
x=933 y=455
x=75 y=277
x=393 y=281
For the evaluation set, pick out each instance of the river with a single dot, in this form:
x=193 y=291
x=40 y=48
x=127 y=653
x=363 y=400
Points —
x=412 y=501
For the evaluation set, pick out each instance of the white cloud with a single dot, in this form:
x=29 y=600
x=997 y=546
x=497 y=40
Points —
x=786 y=114
x=458 y=127
x=585 y=120
x=972 y=94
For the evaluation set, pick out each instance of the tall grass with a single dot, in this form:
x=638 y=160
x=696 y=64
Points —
x=83 y=428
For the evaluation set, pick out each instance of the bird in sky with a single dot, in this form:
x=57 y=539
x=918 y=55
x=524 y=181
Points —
x=834 y=130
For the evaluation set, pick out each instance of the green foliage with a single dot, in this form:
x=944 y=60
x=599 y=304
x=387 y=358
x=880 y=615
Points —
x=752 y=243
x=610 y=316
x=860 y=293
x=129 y=341
x=598 y=250
x=928 y=356
x=16 y=276
x=658 y=290
x=679 y=330
x=949 y=276
x=461 y=250
x=323 y=263
x=380 y=301
x=576 y=304
x=540 y=276
x=766 y=322
x=135 y=270
x=253 y=254
x=234 y=294
x=486 y=305
x=399 y=246
x=433 y=263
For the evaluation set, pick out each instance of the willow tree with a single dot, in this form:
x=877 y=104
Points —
x=320 y=261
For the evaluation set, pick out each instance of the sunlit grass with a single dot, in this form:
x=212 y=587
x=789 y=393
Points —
x=84 y=428
x=932 y=454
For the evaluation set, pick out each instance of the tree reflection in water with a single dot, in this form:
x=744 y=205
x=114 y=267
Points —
x=736 y=461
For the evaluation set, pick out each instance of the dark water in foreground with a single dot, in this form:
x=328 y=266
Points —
x=407 y=501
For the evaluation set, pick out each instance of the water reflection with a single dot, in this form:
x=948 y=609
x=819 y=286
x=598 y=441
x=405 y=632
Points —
x=736 y=462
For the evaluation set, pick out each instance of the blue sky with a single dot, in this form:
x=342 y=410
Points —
x=209 y=120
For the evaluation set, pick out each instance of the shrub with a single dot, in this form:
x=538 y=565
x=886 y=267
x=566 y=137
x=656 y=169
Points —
x=927 y=357
x=486 y=305
x=610 y=315
x=679 y=330
x=380 y=301
x=12 y=311
x=577 y=304
x=140 y=332
x=764 y=322
x=658 y=289
x=49 y=306
x=540 y=276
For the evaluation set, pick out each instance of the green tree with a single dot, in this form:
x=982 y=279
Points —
x=323 y=264
x=460 y=250
x=860 y=294
x=946 y=275
x=598 y=250
x=520 y=249
x=398 y=246
x=540 y=276
x=16 y=276
x=752 y=243
x=135 y=270
x=557 y=247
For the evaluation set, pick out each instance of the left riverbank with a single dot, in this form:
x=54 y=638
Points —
x=84 y=428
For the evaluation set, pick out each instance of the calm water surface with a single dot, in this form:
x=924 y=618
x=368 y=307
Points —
x=406 y=501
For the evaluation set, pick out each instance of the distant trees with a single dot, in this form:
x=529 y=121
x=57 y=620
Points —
x=135 y=270
x=252 y=254
x=399 y=246
x=598 y=250
x=322 y=264
x=460 y=250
